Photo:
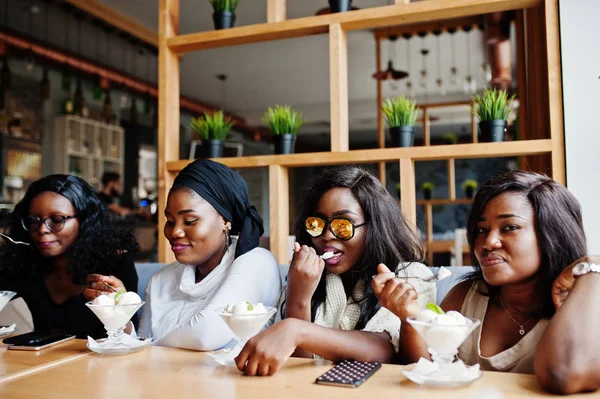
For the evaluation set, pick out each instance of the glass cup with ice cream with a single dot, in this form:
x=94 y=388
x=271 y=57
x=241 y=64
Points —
x=245 y=321
x=443 y=332
x=114 y=311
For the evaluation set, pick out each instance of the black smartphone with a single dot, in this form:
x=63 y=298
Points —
x=38 y=340
x=349 y=373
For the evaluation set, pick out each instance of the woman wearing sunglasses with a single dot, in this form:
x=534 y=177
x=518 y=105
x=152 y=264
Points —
x=71 y=241
x=329 y=309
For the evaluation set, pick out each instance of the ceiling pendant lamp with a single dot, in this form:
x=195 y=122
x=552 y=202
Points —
x=469 y=84
x=439 y=82
x=453 y=68
x=391 y=73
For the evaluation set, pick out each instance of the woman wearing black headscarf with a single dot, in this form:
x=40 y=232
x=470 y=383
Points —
x=214 y=232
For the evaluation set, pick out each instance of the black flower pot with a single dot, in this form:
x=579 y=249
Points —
x=223 y=19
x=212 y=148
x=427 y=194
x=469 y=192
x=284 y=143
x=403 y=136
x=340 y=5
x=492 y=131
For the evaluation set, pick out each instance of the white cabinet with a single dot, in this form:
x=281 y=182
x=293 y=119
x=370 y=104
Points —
x=87 y=148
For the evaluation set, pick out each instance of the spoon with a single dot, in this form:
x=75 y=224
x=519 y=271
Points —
x=13 y=241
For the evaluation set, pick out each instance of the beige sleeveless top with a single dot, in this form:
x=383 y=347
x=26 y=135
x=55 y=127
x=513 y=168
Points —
x=518 y=359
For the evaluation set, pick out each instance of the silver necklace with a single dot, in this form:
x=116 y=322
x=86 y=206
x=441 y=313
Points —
x=521 y=326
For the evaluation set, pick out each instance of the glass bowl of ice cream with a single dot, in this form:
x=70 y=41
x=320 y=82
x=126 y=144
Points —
x=443 y=332
x=245 y=321
x=114 y=311
x=5 y=297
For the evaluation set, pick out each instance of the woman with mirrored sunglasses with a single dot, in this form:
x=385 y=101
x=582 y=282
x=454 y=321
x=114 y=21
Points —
x=72 y=240
x=329 y=308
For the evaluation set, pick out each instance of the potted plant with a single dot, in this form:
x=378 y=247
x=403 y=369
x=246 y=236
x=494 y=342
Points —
x=397 y=186
x=340 y=5
x=449 y=138
x=224 y=13
x=493 y=108
x=284 y=123
x=401 y=116
x=427 y=188
x=212 y=129
x=470 y=186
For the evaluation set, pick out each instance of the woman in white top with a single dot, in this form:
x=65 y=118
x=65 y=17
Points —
x=206 y=207
x=329 y=309
x=524 y=231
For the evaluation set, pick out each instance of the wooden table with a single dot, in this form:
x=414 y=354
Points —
x=15 y=364
x=174 y=373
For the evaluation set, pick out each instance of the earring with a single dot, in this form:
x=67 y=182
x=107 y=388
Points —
x=228 y=225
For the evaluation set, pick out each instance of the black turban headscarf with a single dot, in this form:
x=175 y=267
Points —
x=227 y=192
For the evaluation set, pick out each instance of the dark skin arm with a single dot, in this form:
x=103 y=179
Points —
x=265 y=353
x=567 y=358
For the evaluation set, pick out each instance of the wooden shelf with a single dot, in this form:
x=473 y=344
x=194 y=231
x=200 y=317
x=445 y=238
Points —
x=457 y=151
x=369 y=18
x=444 y=201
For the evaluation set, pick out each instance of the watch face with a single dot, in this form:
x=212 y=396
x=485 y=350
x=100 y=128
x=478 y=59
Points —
x=580 y=269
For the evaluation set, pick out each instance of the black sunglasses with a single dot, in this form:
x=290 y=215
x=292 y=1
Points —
x=341 y=228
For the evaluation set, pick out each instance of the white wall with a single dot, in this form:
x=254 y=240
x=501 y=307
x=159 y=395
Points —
x=580 y=42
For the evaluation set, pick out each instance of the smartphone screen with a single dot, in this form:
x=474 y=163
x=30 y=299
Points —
x=36 y=339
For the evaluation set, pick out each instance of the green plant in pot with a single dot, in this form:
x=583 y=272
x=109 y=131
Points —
x=427 y=188
x=401 y=116
x=212 y=129
x=470 y=186
x=284 y=123
x=449 y=138
x=224 y=13
x=340 y=5
x=493 y=108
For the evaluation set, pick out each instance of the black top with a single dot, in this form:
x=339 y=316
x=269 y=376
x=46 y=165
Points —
x=106 y=199
x=71 y=315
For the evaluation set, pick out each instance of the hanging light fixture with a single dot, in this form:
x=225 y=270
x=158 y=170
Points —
x=424 y=53
x=45 y=82
x=78 y=100
x=32 y=9
x=223 y=79
x=439 y=82
x=469 y=84
x=391 y=73
x=409 y=85
x=453 y=68
x=147 y=98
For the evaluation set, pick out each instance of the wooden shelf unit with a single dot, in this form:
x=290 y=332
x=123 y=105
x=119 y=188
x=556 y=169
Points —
x=172 y=45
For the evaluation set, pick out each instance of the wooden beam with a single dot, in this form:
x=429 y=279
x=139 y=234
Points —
x=555 y=96
x=429 y=26
x=422 y=153
x=276 y=11
x=451 y=180
x=474 y=125
x=116 y=19
x=426 y=127
x=407 y=191
x=279 y=213
x=168 y=114
x=521 y=60
x=338 y=78
x=368 y=18
x=380 y=122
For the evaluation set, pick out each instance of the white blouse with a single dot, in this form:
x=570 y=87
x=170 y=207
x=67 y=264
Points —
x=180 y=312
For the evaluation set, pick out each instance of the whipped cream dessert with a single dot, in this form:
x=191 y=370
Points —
x=444 y=332
x=116 y=309
x=244 y=308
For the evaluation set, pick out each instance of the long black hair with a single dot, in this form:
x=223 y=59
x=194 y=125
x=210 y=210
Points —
x=97 y=247
x=558 y=226
x=389 y=238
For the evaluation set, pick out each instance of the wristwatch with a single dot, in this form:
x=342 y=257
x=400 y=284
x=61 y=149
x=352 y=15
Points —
x=584 y=268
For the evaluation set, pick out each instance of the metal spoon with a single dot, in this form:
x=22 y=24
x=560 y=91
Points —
x=13 y=241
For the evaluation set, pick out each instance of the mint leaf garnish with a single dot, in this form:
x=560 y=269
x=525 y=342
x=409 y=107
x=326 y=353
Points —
x=250 y=307
x=435 y=308
x=118 y=295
